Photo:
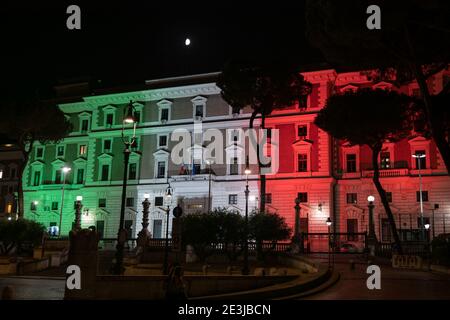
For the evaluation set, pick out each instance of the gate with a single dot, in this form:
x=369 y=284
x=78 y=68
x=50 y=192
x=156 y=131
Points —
x=337 y=242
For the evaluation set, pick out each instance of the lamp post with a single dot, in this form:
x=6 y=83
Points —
x=328 y=222
x=246 y=269
x=297 y=237
x=166 y=248
x=64 y=170
x=78 y=206
x=418 y=157
x=128 y=118
x=372 y=237
x=209 y=162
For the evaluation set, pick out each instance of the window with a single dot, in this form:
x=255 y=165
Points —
x=54 y=205
x=386 y=235
x=197 y=168
x=164 y=114
x=302 y=131
x=162 y=141
x=268 y=198
x=421 y=162
x=157 y=228
x=84 y=125
x=302 y=162
x=33 y=206
x=352 y=198
x=105 y=172
x=302 y=196
x=82 y=150
x=234 y=167
x=37 y=178
x=389 y=196
x=132 y=171
x=13 y=173
x=161 y=173
x=385 y=158
x=159 y=201
x=232 y=199
x=424 y=196
x=109 y=121
x=351 y=162
x=39 y=152
x=130 y=202
x=199 y=111
x=102 y=203
x=60 y=151
x=80 y=176
x=58 y=176
x=107 y=145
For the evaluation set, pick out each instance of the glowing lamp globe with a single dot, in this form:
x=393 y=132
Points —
x=371 y=198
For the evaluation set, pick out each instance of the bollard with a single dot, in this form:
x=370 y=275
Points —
x=8 y=293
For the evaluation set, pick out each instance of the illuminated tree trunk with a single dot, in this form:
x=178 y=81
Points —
x=376 y=180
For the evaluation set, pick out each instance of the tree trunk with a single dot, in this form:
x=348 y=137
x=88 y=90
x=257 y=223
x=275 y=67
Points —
x=433 y=121
x=376 y=180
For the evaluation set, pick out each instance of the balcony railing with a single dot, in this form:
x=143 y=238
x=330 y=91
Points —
x=366 y=166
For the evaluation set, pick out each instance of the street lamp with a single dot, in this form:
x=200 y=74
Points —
x=65 y=170
x=372 y=237
x=246 y=269
x=166 y=249
x=418 y=157
x=209 y=162
x=328 y=222
x=128 y=118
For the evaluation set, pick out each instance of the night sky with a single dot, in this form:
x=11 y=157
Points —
x=128 y=42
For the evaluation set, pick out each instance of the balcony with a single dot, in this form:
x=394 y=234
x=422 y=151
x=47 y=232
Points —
x=400 y=168
x=186 y=175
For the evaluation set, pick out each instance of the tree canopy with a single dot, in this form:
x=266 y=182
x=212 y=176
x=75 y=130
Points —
x=369 y=117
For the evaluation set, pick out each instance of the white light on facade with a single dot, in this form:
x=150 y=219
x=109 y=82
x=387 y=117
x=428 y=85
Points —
x=79 y=198
x=371 y=198
x=146 y=196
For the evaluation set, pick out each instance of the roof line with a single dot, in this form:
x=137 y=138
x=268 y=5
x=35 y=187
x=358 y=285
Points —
x=189 y=77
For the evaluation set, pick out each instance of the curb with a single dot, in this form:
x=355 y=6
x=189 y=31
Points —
x=335 y=277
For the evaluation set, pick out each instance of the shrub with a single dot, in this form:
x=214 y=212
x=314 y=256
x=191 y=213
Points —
x=15 y=233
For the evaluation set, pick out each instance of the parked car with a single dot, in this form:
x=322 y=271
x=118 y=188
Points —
x=351 y=247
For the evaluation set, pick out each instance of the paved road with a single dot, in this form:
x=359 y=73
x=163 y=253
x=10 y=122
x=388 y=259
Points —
x=32 y=288
x=395 y=283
